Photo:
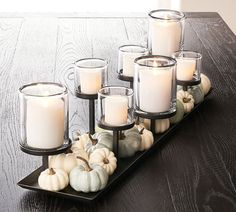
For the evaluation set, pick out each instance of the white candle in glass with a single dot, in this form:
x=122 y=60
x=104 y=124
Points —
x=45 y=122
x=128 y=63
x=165 y=36
x=90 y=80
x=116 y=110
x=185 y=69
x=155 y=90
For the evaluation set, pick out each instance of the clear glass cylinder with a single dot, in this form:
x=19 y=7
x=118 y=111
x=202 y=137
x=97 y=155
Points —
x=166 y=32
x=90 y=75
x=155 y=85
x=189 y=65
x=43 y=115
x=127 y=55
x=115 y=106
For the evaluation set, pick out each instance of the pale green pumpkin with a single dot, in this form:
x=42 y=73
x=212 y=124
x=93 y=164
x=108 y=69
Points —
x=100 y=140
x=129 y=142
x=179 y=113
x=88 y=179
x=205 y=84
x=197 y=93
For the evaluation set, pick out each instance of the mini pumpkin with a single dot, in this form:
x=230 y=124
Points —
x=105 y=158
x=179 y=113
x=187 y=100
x=91 y=178
x=205 y=84
x=68 y=161
x=99 y=140
x=161 y=125
x=129 y=142
x=80 y=141
x=197 y=93
x=53 y=179
x=147 y=138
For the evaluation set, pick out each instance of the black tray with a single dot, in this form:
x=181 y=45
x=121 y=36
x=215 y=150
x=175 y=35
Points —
x=125 y=166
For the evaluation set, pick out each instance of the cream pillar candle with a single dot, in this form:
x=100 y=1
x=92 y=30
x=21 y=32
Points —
x=45 y=122
x=116 y=110
x=90 y=80
x=155 y=90
x=128 y=63
x=165 y=36
x=185 y=69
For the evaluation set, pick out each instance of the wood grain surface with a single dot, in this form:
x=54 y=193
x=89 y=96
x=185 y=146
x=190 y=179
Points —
x=194 y=171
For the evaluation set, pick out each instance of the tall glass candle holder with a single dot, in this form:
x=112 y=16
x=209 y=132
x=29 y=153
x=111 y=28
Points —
x=166 y=32
x=115 y=111
x=189 y=66
x=43 y=116
x=90 y=76
x=155 y=87
x=127 y=55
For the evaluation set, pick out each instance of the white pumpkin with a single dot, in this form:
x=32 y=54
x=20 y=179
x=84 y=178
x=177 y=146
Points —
x=105 y=158
x=161 y=125
x=147 y=138
x=205 y=84
x=80 y=141
x=88 y=179
x=53 y=179
x=68 y=161
x=187 y=100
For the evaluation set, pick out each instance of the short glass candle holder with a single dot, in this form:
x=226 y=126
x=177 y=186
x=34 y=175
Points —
x=155 y=87
x=127 y=55
x=189 y=66
x=166 y=31
x=90 y=75
x=43 y=115
x=115 y=107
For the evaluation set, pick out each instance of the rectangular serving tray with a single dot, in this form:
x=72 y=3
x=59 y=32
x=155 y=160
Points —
x=124 y=167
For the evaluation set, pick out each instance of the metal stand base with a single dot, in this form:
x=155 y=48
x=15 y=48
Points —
x=91 y=98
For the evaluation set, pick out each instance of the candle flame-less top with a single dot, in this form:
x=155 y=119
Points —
x=167 y=15
x=43 y=89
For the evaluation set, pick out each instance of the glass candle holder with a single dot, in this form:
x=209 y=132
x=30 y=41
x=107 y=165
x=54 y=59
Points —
x=115 y=106
x=155 y=85
x=166 y=32
x=189 y=65
x=90 y=75
x=127 y=55
x=43 y=115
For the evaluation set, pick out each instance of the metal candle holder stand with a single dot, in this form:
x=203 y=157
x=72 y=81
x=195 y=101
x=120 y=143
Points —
x=186 y=84
x=91 y=98
x=153 y=117
x=46 y=152
x=126 y=78
x=116 y=132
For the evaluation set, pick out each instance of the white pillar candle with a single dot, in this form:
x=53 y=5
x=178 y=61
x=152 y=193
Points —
x=155 y=90
x=45 y=122
x=128 y=63
x=116 y=110
x=185 y=69
x=165 y=36
x=90 y=80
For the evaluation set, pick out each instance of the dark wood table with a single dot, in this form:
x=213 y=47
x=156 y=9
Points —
x=194 y=171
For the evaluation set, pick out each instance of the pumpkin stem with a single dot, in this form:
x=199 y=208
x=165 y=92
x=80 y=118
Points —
x=137 y=121
x=86 y=162
x=94 y=141
x=69 y=151
x=122 y=135
x=186 y=100
x=141 y=131
x=51 y=171
x=106 y=161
